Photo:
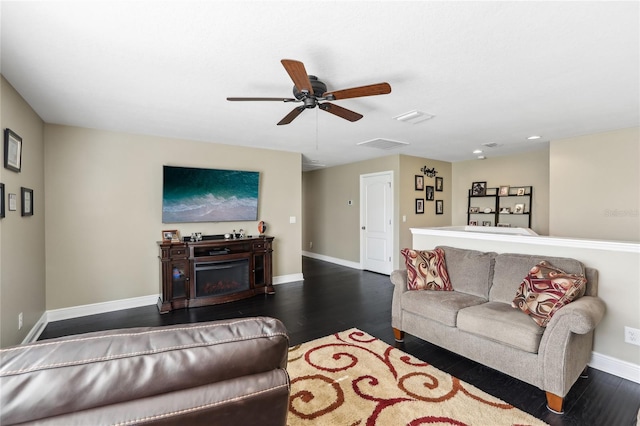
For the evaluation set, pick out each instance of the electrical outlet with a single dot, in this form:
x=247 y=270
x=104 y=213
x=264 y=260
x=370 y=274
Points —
x=632 y=335
x=20 y=321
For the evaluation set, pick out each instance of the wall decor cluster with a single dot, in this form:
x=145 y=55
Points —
x=419 y=184
x=13 y=162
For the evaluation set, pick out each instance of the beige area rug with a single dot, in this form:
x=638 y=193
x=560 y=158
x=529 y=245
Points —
x=352 y=378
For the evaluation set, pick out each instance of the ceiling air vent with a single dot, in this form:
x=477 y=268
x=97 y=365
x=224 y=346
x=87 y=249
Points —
x=382 y=143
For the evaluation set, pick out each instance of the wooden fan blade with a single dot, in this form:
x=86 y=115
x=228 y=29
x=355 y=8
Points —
x=347 y=114
x=357 y=92
x=298 y=74
x=263 y=99
x=292 y=115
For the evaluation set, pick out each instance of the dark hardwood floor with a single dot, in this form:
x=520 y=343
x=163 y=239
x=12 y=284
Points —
x=333 y=298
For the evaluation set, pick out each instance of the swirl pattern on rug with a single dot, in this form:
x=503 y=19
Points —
x=351 y=378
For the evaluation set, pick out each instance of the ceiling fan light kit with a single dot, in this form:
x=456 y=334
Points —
x=313 y=92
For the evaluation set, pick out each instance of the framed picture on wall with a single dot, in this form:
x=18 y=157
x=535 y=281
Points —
x=439 y=184
x=419 y=182
x=1 y=200
x=12 y=151
x=429 y=193
x=26 y=197
x=13 y=202
x=419 y=206
x=439 y=207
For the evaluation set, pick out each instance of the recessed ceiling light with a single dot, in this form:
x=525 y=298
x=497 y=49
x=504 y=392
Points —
x=534 y=137
x=477 y=151
x=481 y=157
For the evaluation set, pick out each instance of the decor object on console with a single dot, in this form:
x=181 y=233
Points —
x=200 y=373
x=478 y=322
x=262 y=227
x=214 y=270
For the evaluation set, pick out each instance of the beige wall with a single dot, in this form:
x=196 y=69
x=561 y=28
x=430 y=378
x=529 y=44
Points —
x=334 y=227
x=104 y=199
x=595 y=186
x=22 y=239
x=330 y=223
x=528 y=169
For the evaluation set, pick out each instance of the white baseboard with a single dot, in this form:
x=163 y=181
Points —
x=342 y=262
x=615 y=366
x=281 y=279
x=100 y=308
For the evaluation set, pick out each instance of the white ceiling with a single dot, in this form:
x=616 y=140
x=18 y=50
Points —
x=490 y=72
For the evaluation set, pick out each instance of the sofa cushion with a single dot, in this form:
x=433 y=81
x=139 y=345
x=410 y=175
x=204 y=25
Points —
x=501 y=323
x=545 y=290
x=426 y=270
x=440 y=306
x=470 y=271
x=511 y=268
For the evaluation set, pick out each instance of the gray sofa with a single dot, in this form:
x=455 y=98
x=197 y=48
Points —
x=477 y=321
x=228 y=372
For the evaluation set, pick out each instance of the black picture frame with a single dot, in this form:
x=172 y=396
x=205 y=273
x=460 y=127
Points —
x=429 y=193
x=439 y=184
x=1 y=200
x=439 y=206
x=419 y=182
x=26 y=204
x=479 y=189
x=419 y=206
x=12 y=151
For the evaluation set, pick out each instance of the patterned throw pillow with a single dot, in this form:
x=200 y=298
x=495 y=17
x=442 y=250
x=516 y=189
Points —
x=545 y=290
x=426 y=270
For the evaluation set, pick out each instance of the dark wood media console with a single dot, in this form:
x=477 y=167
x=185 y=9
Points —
x=214 y=270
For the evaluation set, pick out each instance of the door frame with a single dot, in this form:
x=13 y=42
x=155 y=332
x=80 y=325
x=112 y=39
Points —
x=392 y=237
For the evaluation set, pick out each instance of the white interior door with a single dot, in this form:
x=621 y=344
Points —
x=376 y=222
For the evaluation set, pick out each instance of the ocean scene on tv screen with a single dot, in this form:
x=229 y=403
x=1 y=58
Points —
x=209 y=195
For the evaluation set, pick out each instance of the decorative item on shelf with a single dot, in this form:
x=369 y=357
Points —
x=479 y=188
x=196 y=236
x=488 y=210
x=429 y=172
x=171 y=236
x=504 y=191
x=521 y=191
x=227 y=236
x=474 y=209
x=262 y=227
x=241 y=233
x=518 y=208
x=504 y=225
x=486 y=223
x=473 y=223
x=505 y=210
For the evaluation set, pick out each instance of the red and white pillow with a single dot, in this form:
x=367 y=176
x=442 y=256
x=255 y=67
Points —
x=545 y=290
x=426 y=270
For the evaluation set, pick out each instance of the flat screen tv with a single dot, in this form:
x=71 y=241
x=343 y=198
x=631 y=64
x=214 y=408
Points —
x=209 y=195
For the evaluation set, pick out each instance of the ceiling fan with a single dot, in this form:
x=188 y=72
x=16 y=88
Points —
x=313 y=92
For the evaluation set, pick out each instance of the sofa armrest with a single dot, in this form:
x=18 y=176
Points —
x=567 y=342
x=60 y=376
x=581 y=316
x=399 y=281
